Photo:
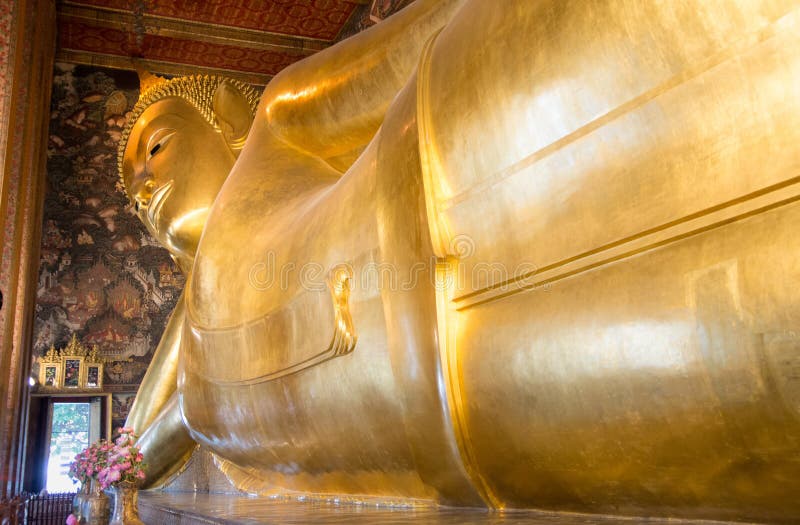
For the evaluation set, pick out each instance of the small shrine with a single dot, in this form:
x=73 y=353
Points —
x=75 y=367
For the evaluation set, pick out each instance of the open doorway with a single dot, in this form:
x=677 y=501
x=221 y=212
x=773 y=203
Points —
x=64 y=427
x=72 y=428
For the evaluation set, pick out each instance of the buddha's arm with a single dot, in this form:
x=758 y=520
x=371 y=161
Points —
x=332 y=103
x=166 y=444
x=160 y=381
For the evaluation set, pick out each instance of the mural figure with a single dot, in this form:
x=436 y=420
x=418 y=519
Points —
x=72 y=369
x=50 y=376
x=640 y=158
x=120 y=407
x=92 y=376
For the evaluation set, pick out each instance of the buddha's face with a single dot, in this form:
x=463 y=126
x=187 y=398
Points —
x=173 y=167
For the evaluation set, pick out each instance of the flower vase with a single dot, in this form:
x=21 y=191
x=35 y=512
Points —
x=78 y=501
x=95 y=507
x=126 y=504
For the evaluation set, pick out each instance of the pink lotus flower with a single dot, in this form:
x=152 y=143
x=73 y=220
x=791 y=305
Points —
x=72 y=520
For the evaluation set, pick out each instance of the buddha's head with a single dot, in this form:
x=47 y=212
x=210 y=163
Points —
x=180 y=143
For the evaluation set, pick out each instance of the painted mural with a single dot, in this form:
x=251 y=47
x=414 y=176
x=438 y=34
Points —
x=121 y=404
x=101 y=275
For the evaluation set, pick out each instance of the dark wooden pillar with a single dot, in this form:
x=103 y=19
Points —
x=27 y=35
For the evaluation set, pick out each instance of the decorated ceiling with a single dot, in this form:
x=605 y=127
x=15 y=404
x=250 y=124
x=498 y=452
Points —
x=248 y=39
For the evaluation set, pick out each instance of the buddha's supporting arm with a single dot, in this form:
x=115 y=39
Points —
x=155 y=414
x=166 y=444
x=331 y=104
x=160 y=381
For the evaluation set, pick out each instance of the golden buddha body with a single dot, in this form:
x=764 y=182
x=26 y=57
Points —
x=531 y=257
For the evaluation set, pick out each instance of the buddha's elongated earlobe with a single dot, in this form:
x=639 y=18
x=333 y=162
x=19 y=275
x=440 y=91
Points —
x=234 y=115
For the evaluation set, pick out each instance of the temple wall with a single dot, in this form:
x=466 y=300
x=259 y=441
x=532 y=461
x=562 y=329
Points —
x=27 y=43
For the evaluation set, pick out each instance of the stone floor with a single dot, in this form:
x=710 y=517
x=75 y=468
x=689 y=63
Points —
x=203 y=509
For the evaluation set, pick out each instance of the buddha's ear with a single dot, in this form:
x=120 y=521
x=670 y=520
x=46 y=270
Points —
x=233 y=115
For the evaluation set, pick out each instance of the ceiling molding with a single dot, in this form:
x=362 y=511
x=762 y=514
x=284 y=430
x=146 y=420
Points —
x=154 y=66
x=319 y=23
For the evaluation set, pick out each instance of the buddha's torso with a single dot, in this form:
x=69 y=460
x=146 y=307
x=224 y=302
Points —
x=644 y=343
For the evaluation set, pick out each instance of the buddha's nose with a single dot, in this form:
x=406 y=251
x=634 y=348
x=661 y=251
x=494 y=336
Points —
x=142 y=197
x=140 y=202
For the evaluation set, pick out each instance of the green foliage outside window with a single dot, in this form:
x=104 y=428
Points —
x=70 y=417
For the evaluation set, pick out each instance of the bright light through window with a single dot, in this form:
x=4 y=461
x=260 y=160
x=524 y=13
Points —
x=68 y=436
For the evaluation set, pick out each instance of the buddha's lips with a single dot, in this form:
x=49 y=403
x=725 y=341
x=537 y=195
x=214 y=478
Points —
x=157 y=202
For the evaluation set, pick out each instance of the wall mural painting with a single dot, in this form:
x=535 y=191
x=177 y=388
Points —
x=121 y=404
x=101 y=275
x=369 y=14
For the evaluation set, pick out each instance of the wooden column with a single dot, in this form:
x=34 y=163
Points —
x=27 y=37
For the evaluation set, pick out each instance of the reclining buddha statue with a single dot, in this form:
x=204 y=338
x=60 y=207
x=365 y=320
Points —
x=504 y=254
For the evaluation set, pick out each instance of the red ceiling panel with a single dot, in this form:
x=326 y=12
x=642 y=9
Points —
x=321 y=19
x=108 y=41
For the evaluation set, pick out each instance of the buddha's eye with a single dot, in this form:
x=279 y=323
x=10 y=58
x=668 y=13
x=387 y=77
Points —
x=158 y=140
